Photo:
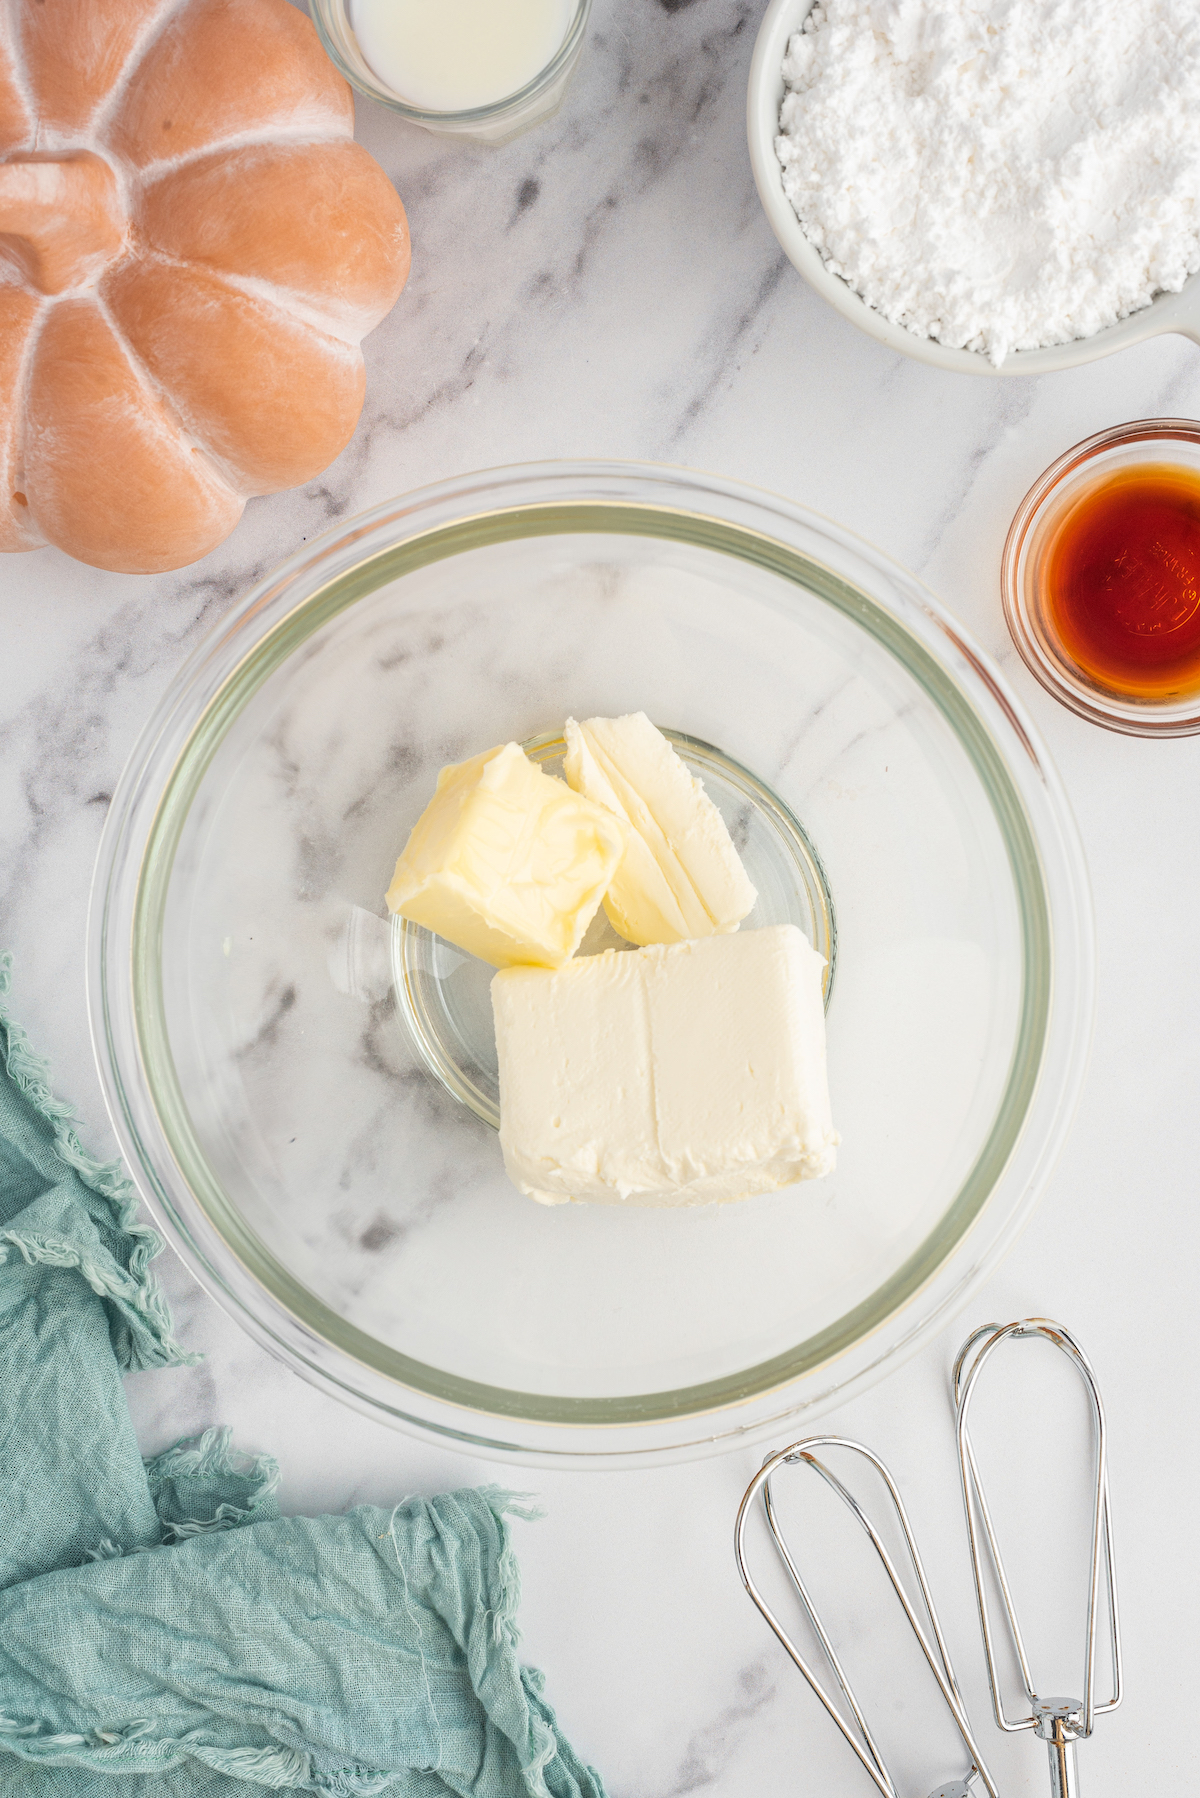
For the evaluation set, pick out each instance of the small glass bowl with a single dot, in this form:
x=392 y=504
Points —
x=495 y=123
x=444 y=996
x=1145 y=440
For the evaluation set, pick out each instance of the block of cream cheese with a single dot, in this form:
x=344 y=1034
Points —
x=507 y=862
x=680 y=1074
x=681 y=876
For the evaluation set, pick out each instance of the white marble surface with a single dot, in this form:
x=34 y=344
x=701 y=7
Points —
x=608 y=286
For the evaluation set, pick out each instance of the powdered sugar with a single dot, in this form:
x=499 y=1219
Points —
x=998 y=174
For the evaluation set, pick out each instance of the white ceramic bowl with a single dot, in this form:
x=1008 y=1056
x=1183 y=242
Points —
x=1178 y=312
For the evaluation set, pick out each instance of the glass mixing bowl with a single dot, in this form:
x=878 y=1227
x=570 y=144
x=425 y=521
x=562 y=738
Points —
x=287 y=1119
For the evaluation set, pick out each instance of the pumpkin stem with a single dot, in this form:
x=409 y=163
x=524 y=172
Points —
x=61 y=218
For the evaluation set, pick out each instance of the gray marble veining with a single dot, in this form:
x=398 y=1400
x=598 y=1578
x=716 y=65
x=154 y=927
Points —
x=608 y=286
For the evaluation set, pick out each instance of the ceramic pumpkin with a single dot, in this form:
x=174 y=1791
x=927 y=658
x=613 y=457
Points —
x=192 y=246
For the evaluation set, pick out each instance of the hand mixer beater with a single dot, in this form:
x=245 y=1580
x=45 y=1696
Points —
x=1060 y=1722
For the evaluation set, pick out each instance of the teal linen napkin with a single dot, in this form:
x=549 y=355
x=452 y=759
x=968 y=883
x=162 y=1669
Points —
x=164 y=1632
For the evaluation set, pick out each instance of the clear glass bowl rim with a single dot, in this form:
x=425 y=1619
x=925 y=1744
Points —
x=494 y=112
x=733 y=519
x=1133 y=718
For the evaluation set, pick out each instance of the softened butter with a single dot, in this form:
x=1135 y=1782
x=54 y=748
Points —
x=681 y=876
x=507 y=862
x=670 y=1075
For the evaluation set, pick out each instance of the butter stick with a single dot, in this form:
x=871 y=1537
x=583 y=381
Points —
x=681 y=876
x=506 y=862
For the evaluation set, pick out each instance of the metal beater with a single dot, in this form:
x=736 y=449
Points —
x=1061 y=1722
x=856 y=1730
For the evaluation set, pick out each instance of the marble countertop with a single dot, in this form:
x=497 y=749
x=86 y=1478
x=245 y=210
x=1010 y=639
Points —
x=608 y=286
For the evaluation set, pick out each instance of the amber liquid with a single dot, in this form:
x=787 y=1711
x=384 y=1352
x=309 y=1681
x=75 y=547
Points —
x=1120 y=581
